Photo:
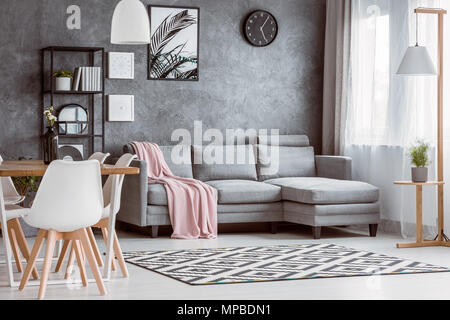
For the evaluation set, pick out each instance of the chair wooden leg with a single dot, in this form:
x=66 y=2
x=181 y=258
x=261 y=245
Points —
x=77 y=248
x=105 y=238
x=22 y=243
x=62 y=255
x=51 y=241
x=70 y=263
x=119 y=255
x=91 y=259
x=15 y=249
x=97 y=254
x=33 y=257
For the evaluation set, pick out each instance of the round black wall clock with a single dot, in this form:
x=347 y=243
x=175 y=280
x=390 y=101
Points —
x=260 y=28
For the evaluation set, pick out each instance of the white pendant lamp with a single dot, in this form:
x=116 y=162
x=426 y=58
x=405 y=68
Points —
x=417 y=60
x=130 y=23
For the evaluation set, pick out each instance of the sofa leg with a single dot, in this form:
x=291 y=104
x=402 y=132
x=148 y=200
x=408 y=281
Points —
x=154 y=231
x=273 y=227
x=373 y=230
x=316 y=232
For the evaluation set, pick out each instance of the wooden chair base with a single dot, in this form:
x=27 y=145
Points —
x=80 y=241
x=103 y=225
x=19 y=242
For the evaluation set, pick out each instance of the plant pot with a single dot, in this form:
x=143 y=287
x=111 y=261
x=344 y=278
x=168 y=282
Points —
x=62 y=83
x=419 y=174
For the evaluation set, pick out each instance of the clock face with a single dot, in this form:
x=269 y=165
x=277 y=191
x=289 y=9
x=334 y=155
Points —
x=260 y=28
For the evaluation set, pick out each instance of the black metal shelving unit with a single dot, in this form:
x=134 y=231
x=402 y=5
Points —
x=49 y=93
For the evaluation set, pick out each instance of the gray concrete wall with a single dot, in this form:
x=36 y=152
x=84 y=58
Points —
x=279 y=86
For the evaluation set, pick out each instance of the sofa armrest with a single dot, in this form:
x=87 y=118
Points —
x=133 y=207
x=334 y=167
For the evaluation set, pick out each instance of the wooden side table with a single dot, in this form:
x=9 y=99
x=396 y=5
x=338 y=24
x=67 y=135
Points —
x=420 y=242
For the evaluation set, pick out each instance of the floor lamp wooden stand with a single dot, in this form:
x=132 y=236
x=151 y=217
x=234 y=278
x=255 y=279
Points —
x=419 y=63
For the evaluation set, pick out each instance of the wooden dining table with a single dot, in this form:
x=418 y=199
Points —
x=37 y=168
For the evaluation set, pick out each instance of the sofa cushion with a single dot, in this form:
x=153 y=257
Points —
x=157 y=194
x=180 y=165
x=224 y=163
x=325 y=191
x=244 y=191
x=284 y=140
x=281 y=162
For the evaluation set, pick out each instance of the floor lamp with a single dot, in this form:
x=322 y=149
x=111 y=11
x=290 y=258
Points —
x=417 y=62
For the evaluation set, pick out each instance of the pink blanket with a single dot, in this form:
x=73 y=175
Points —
x=192 y=203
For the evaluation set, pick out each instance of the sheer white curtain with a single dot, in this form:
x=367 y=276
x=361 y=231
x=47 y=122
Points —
x=387 y=112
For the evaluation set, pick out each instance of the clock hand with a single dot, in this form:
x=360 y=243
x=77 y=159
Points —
x=264 y=23
x=264 y=36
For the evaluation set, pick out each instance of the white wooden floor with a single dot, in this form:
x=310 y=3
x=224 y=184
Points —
x=144 y=284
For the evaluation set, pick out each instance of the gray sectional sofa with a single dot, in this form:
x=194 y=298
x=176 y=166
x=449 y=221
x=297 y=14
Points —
x=306 y=189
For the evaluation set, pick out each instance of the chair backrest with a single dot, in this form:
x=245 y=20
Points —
x=114 y=200
x=69 y=197
x=99 y=156
x=9 y=190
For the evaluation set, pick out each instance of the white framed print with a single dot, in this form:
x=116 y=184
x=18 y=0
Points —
x=173 y=52
x=120 y=65
x=120 y=108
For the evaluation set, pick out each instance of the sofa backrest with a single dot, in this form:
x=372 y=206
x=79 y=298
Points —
x=285 y=156
x=236 y=162
x=183 y=169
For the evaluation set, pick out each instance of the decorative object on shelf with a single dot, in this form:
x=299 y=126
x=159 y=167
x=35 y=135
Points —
x=120 y=108
x=73 y=119
x=260 y=28
x=50 y=141
x=88 y=79
x=63 y=80
x=174 y=47
x=72 y=152
x=130 y=23
x=420 y=67
x=419 y=157
x=121 y=65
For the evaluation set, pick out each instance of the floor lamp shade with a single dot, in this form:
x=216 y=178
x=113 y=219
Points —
x=417 y=62
x=130 y=23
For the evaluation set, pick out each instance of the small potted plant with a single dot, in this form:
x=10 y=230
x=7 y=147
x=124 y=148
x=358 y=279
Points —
x=63 y=80
x=419 y=157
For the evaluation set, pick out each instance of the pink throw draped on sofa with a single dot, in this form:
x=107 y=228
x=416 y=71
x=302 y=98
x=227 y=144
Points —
x=192 y=203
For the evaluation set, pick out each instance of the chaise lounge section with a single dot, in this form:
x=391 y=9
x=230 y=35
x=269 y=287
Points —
x=305 y=189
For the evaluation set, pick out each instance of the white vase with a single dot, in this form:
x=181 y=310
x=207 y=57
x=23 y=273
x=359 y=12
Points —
x=62 y=83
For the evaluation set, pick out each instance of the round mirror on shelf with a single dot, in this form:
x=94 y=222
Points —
x=72 y=119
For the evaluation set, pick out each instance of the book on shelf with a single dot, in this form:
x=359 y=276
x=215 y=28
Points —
x=87 y=79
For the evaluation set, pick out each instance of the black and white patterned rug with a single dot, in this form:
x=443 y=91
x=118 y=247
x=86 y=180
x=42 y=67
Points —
x=273 y=263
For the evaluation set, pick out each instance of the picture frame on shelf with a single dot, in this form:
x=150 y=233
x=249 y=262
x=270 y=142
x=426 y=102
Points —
x=173 y=52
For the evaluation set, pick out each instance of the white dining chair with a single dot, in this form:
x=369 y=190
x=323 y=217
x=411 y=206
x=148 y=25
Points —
x=14 y=237
x=69 y=200
x=99 y=156
x=112 y=191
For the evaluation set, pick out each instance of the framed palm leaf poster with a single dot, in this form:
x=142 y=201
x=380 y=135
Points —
x=174 y=49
